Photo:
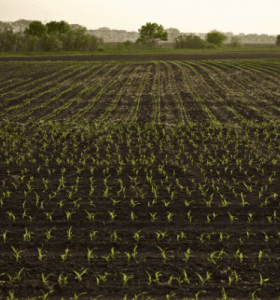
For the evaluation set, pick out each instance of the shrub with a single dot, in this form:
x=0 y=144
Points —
x=278 y=40
x=192 y=42
x=216 y=38
x=146 y=44
x=119 y=46
x=236 y=42
x=127 y=44
x=207 y=45
x=130 y=45
x=187 y=41
x=100 y=49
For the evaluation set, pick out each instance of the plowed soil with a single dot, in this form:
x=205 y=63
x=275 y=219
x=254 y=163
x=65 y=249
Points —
x=199 y=164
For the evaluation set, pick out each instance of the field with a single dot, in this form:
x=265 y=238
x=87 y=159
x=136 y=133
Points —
x=148 y=175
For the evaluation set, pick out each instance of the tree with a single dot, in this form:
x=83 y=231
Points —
x=49 y=34
x=236 y=42
x=51 y=43
x=172 y=34
x=215 y=37
x=104 y=28
x=278 y=40
x=20 y=25
x=151 y=33
x=5 y=26
x=77 y=26
x=77 y=40
x=36 y=28
x=7 y=40
x=58 y=27
x=229 y=35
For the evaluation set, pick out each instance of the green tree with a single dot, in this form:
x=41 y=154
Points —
x=151 y=33
x=51 y=42
x=58 y=27
x=36 y=28
x=278 y=40
x=48 y=34
x=31 y=42
x=215 y=37
x=73 y=39
x=7 y=40
x=77 y=40
x=191 y=41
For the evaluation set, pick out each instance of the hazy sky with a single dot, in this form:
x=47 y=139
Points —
x=197 y=16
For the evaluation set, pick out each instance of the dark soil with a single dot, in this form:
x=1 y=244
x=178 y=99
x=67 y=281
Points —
x=30 y=201
x=248 y=270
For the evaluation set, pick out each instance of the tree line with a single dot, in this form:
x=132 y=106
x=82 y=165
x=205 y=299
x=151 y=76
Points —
x=60 y=36
x=53 y=36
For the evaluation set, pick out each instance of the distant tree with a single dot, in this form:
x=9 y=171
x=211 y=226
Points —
x=77 y=26
x=278 y=40
x=36 y=28
x=172 y=34
x=104 y=28
x=20 y=25
x=17 y=26
x=79 y=41
x=49 y=34
x=192 y=41
x=215 y=37
x=5 y=26
x=32 y=43
x=58 y=27
x=252 y=37
x=7 y=40
x=151 y=33
x=236 y=42
x=229 y=35
x=51 y=42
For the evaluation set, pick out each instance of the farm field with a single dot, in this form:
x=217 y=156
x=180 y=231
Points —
x=149 y=177
x=164 y=54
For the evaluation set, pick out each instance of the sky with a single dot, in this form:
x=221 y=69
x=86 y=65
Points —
x=197 y=16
